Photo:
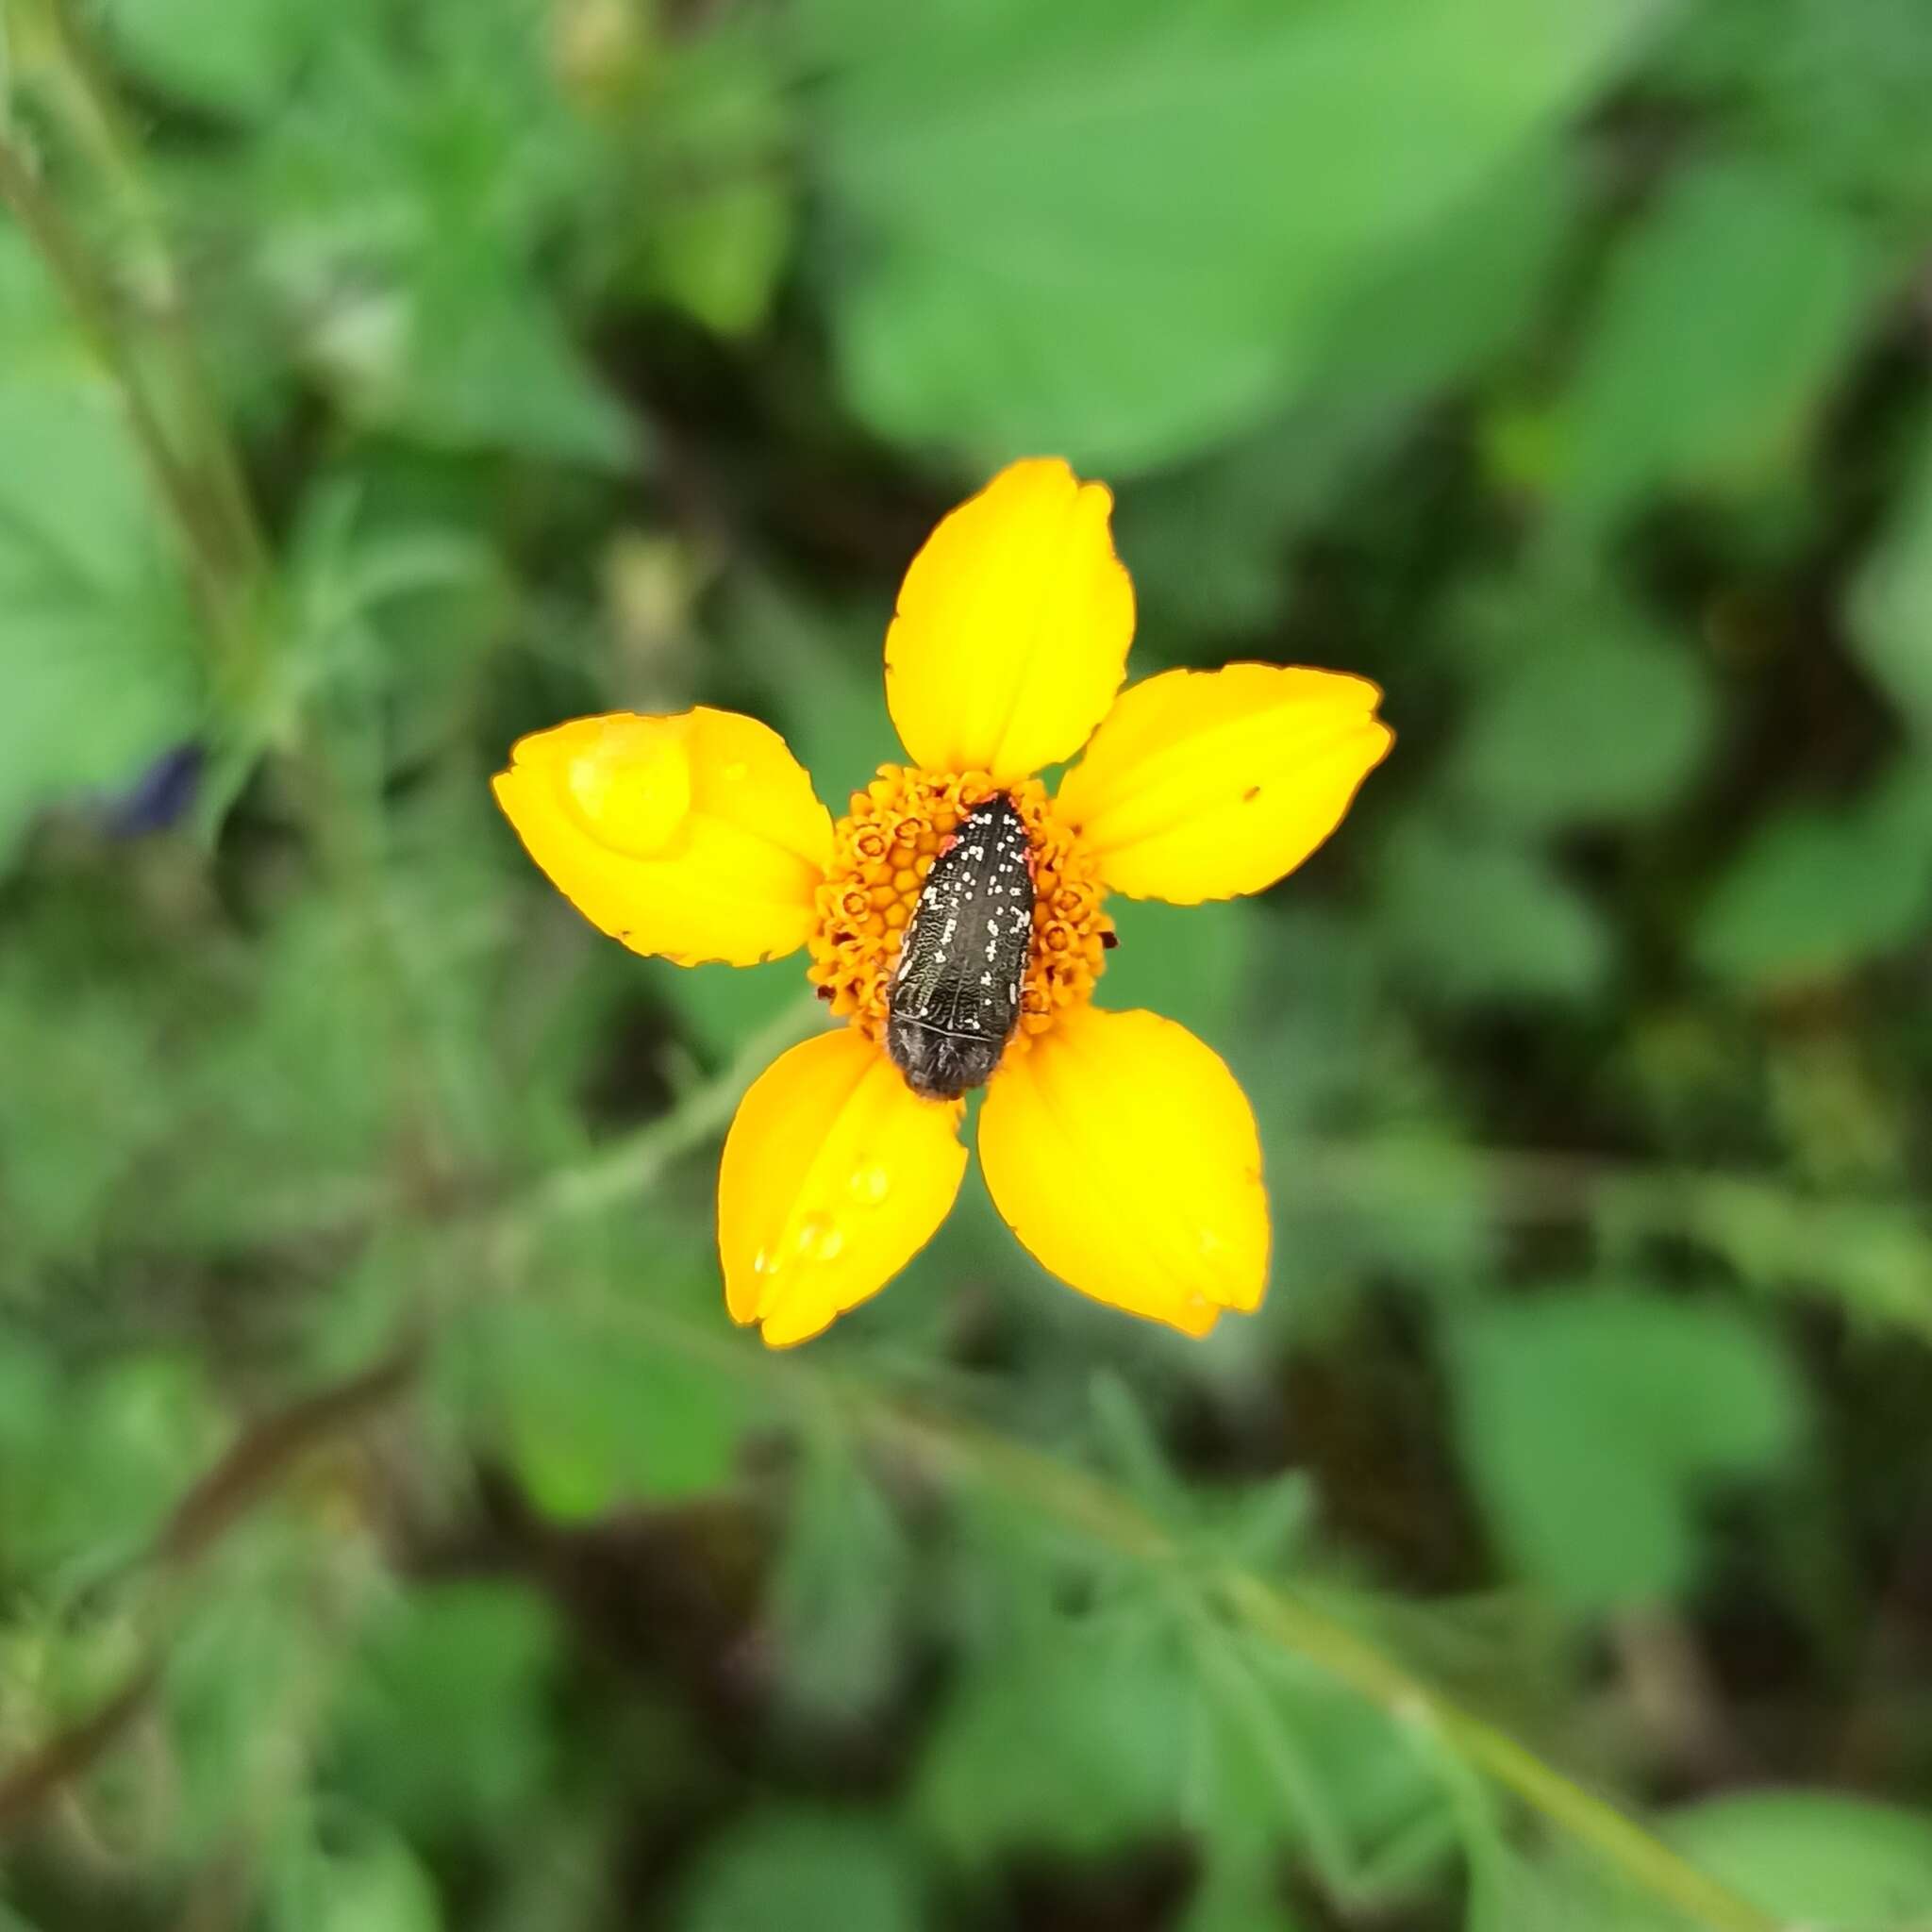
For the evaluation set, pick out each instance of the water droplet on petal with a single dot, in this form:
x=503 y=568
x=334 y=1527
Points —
x=869 y=1186
x=819 y=1239
x=766 y=1263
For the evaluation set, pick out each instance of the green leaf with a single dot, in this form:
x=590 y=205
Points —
x=97 y=649
x=392 y=213
x=1891 y=598
x=807 y=1869
x=1817 y=891
x=1240 y=1896
x=1120 y=229
x=840 y=1595
x=90 y=1464
x=705 y=199
x=717 y=253
x=237 y=1677
x=1592 y=1425
x=1840 y=89
x=1867 y=1254
x=489 y=367
x=64 y=1151
x=1819 y=1859
x=1115 y=1736
x=1209 y=542
x=1140 y=1720
x=374 y=1883
x=445 y=1722
x=598 y=1415
x=235 y=57
x=1593 y=718
x=295 y=1085
x=1458 y=295
x=1345 y=1785
x=1721 y=321
x=1475 y=920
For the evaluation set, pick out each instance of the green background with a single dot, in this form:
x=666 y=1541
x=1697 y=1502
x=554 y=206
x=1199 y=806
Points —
x=394 y=1533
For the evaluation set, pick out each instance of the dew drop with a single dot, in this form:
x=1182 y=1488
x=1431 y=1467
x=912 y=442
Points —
x=819 y=1239
x=766 y=1262
x=869 y=1186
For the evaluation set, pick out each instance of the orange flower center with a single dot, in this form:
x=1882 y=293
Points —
x=882 y=850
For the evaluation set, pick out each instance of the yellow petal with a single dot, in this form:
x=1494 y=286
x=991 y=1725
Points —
x=1124 y=1155
x=1013 y=627
x=835 y=1175
x=695 y=836
x=1203 y=784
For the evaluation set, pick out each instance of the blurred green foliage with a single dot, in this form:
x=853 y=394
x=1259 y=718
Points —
x=393 y=1533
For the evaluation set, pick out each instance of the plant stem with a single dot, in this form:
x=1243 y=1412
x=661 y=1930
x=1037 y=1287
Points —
x=196 y=476
x=94 y=113
x=1080 y=1503
x=24 y=191
x=630 y=1166
x=1086 y=1505
x=1608 y=1831
x=1092 y=1509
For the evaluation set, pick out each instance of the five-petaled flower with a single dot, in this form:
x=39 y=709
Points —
x=1117 y=1146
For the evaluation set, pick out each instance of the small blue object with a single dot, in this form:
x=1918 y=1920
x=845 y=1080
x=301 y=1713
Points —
x=159 y=796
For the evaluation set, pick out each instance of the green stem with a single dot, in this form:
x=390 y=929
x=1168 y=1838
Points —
x=24 y=191
x=207 y=499
x=1086 y=1504
x=632 y=1165
x=1092 y=1509
x=197 y=475
x=1083 y=1504
x=94 y=113
x=1779 y=1236
x=1645 y=1860
x=1087 y=1507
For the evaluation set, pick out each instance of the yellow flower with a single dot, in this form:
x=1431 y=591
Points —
x=1117 y=1146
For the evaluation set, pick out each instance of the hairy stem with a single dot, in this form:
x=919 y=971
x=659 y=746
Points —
x=93 y=111
x=182 y=440
x=24 y=191
x=1089 y=1507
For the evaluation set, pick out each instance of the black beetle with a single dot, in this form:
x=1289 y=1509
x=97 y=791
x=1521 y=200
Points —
x=955 y=996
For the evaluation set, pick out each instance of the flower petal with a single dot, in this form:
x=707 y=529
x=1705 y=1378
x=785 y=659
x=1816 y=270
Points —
x=695 y=836
x=1203 y=784
x=1125 y=1156
x=1013 y=627
x=835 y=1175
